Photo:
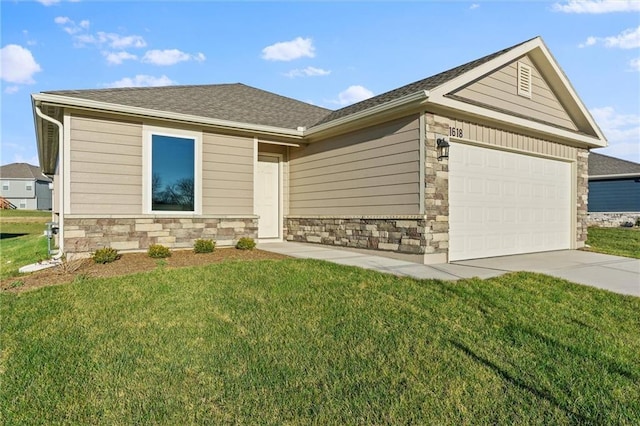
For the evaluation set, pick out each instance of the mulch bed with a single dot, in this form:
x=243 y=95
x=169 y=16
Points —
x=129 y=263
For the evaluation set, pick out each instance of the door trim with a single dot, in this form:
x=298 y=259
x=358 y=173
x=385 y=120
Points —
x=280 y=158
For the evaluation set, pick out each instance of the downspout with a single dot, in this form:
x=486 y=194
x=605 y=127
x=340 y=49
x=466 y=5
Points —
x=40 y=114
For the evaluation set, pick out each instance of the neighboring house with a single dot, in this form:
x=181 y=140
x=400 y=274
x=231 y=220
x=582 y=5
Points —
x=167 y=165
x=24 y=186
x=614 y=191
x=614 y=184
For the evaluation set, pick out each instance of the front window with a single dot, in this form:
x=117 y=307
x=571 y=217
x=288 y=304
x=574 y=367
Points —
x=172 y=173
x=172 y=176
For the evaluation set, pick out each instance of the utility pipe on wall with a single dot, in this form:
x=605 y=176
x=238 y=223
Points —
x=61 y=188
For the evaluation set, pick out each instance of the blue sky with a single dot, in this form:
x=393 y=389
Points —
x=326 y=53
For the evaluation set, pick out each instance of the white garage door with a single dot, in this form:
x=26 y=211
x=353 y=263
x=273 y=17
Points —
x=503 y=203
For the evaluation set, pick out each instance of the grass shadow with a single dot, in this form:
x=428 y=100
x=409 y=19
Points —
x=519 y=383
x=6 y=236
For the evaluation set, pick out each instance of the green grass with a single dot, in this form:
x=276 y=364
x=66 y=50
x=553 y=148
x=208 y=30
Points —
x=307 y=342
x=21 y=241
x=616 y=241
x=24 y=213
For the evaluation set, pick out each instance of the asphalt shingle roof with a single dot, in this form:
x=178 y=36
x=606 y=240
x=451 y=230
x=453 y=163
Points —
x=233 y=102
x=245 y=104
x=22 y=171
x=603 y=165
x=417 y=86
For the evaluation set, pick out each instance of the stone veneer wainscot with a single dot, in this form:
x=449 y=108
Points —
x=85 y=234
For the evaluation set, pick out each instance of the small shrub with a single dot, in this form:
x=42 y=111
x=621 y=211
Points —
x=204 y=246
x=105 y=255
x=638 y=221
x=158 y=251
x=246 y=243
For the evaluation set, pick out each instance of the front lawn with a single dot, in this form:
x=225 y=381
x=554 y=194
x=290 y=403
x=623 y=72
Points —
x=21 y=239
x=307 y=342
x=616 y=241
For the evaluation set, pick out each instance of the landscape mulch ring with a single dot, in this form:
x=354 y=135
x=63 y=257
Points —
x=129 y=263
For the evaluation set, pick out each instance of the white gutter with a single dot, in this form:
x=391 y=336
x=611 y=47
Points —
x=405 y=100
x=152 y=113
x=40 y=114
x=617 y=176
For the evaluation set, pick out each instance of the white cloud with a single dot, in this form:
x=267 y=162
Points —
x=116 y=41
x=142 y=80
x=635 y=64
x=170 y=57
x=622 y=132
x=597 y=6
x=48 y=2
x=62 y=20
x=289 y=50
x=10 y=90
x=18 y=65
x=307 y=72
x=116 y=58
x=474 y=6
x=69 y=26
x=628 y=39
x=353 y=94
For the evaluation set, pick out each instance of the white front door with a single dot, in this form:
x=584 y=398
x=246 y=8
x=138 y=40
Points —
x=267 y=196
x=503 y=203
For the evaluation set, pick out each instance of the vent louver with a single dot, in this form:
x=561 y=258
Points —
x=525 y=80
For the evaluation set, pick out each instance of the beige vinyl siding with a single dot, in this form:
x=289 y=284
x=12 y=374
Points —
x=503 y=138
x=374 y=171
x=227 y=174
x=105 y=166
x=499 y=90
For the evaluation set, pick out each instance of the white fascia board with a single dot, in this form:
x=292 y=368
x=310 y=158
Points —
x=378 y=109
x=439 y=92
x=551 y=131
x=67 y=101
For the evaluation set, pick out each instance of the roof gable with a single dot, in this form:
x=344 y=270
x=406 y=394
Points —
x=537 y=53
x=499 y=91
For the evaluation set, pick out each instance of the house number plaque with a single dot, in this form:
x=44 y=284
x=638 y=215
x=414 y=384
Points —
x=456 y=132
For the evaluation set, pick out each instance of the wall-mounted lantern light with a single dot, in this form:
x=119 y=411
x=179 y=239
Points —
x=443 y=148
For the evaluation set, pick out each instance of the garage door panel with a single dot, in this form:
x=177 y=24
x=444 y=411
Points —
x=505 y=203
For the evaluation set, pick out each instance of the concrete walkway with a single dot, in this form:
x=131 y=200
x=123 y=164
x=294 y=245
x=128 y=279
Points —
x=613 y=273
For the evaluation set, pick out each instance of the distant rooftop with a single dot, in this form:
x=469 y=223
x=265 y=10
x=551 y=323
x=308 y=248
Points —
x=604 y=165
x=22 y=171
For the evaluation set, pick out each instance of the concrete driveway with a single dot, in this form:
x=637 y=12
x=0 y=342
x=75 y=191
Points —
x=613 y=273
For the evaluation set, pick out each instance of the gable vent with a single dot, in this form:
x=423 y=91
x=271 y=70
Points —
x=525 y=80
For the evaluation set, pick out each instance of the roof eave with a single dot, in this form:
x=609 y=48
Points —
x=400 y=104
x=86 y=104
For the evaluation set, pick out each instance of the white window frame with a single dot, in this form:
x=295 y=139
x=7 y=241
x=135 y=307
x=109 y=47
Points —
x=6 y=186
x=28 y=186
x=147 y=134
